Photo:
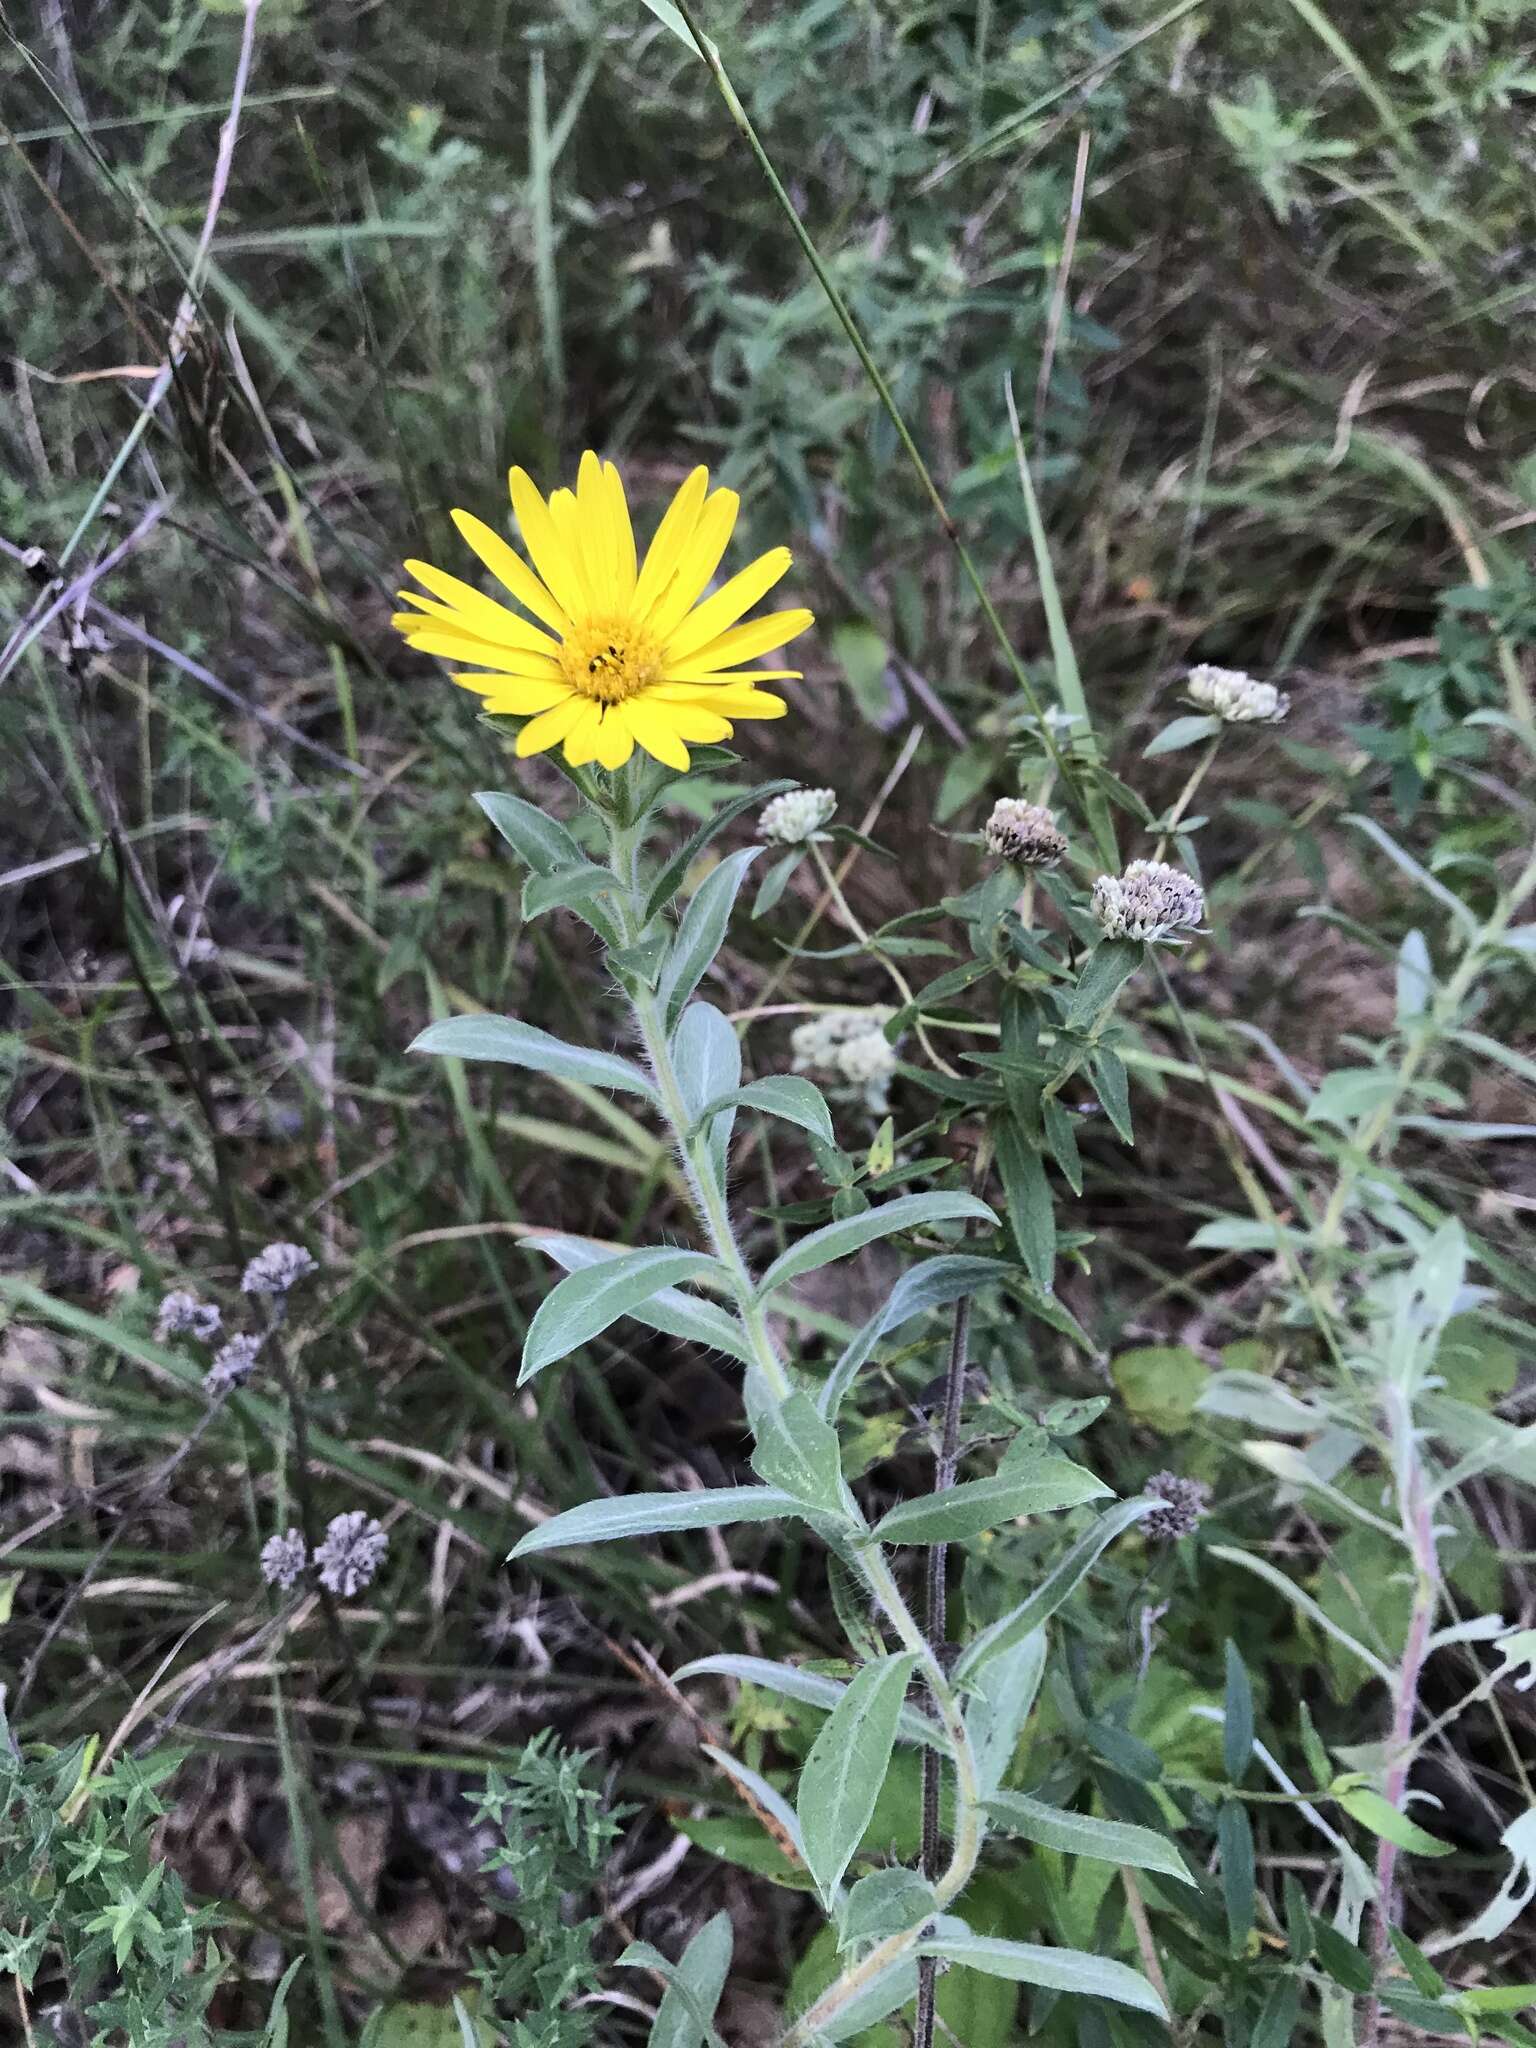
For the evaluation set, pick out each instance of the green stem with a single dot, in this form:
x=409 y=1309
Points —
x=866 y=1558
x=1185 y=797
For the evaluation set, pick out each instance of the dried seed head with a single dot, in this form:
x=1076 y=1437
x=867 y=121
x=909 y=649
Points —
x=1234 y=696
x=276 y=1269
x=1149 y=901
x=1183 y=1505
x=1023 y=834
x=795 y=816
x=233 y=1364
x=183 y=1314
x=848 y=1046
x=351 y=1553
x=283 y=1559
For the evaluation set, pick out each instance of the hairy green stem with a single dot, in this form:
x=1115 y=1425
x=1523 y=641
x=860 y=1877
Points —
x=866 y=1558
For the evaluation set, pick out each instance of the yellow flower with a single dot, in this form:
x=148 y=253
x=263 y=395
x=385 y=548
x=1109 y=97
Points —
x=624 y=651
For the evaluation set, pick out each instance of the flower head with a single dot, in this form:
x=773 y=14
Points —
x=352 y=1551
x=848 y=1046
x=182 y=1313
x=1023 y=834
x=625 y=651
x=283 y=1559
x=277 y=1268
x=233 y=1364
x=1183 y=1504
x=796 y=816
x=1234 y=696
x=1149 y=901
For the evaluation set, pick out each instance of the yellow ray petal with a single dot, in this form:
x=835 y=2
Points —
x=706 y=622
x=452 y=645
x=654 y=729
x=697 y=563
x=690 y=723
x=482 y=616
x=582 y=740
x=615 y=737
x=509 y=569
x=744 y=643
x=593 y=528
x=550 y=727
x=566 y=514
x=737 y=703
x=516 y=696
x=546 y=550
x=671 y=537
x=692 y=684
x=623 y=535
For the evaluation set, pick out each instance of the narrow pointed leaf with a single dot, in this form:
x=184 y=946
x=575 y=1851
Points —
x=655 y=1514
x=811 y=1688
x=540 y=842
x=846 y=1768
x=1057 y=1586
x=966 y=1510
x=837 y=1240
x=930 y=1284
x=701 y=931
x=517 y=1044
x=1053 y=1969
x=688 y=1316
x=1083 y=1834
x=783 y=1095
x=584 y=1304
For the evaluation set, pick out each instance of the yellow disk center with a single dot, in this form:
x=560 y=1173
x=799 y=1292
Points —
x=610 y=659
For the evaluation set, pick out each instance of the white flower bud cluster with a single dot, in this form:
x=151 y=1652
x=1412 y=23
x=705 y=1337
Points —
x=796 y=816
x=1149 y=901
x=1024 y=834
x=850 y=1047
x=1234 y=696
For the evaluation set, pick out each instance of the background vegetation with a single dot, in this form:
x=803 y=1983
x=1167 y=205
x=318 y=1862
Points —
x=1261 y=279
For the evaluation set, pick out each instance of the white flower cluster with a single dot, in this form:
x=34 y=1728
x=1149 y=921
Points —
x=351 y=1552
x=277 y=1268
x=1149 y=901
x=182 y=1313
x=848 y=1046
x=1235 y=697
x=796 y=816
x=1024 y=834
x=233 y=1364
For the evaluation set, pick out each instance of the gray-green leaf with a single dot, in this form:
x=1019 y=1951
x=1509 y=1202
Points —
x=685 y=2017
x=798 y=1451
x=701 y=930
x=883 y=1903
x=688 y=1316
x=966 y=1510
x=782 y=1095
x=846 y=1768
x=1082 y=1834
x=583 y=1304
x=489 y=1037
x=1183 y=732
x=567 y=888
x=930 y=1284
x=811 y=1688
x=1057 y=1585
x=655 y=1514
x=1054 y=1969
x=539 y=841
x=837 y=1240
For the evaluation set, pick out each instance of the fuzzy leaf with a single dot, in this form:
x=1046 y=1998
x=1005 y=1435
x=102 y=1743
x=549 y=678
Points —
x=1053 y=1969
x=701 y=931
x=966 y=1510
x=654 y=1514
x=489 y=1037
x=584 y=1304
x=1082 y=1834
x=837 y=1240
x=846 y=1768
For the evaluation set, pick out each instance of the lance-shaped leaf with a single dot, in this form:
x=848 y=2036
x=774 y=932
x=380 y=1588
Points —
x=1083 y=1834
x=568 y=889
x=1002 y=1699
x=1057 y=1585
x=846 y=1768
x=701 y=930
x=655 y=1514
x=525 y=1045
x=670 y=880
x=1053 y=1969
x=687 y=1316
x=1027 y=1194
x=957 y=1512
x=811 y=1688
x=706 y=1055
x=539 y=841
x=837 y=1240
x=583 y=1304
x=782 y=1095
x=930 y=1284
x=798 y=1451
x=685 y=2018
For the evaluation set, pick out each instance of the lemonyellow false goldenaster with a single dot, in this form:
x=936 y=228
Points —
x=633 y=652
